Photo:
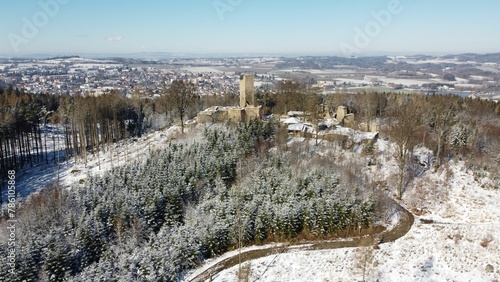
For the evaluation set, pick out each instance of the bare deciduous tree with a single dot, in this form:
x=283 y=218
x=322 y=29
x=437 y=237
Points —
x=365 y=257
x=442 y=116
x=181 y=96
x=290 y=96
x=368 y=107
x=403 y=128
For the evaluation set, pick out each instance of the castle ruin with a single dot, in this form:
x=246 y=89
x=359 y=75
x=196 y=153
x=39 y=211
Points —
x=246 y=111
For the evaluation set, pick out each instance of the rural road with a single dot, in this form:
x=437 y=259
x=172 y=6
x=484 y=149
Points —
x=404 y=224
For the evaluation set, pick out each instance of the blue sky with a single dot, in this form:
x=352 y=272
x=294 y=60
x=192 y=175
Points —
x=63 y=27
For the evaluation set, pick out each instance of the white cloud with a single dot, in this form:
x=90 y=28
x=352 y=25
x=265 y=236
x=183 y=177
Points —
x=113 y=38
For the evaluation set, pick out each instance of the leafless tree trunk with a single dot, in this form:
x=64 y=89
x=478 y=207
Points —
x=181 y=96
x=403 y=128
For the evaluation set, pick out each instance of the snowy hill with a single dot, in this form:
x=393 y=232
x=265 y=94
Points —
x=456 y=238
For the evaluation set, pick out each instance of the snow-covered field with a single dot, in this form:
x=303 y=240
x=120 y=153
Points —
x=202 y=69
x=455 y=238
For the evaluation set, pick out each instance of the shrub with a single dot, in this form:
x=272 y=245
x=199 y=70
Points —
x=486 y=240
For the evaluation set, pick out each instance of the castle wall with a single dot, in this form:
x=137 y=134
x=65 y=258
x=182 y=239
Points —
x=374 y=128
x=349 y=120
x=253 y=113
x=211 y=115
x=236 y=114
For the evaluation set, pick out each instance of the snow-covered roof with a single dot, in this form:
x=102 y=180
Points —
x=329 y=122
x=356 y=135
x=295 y=127
x=291 y=120
x=295 y=113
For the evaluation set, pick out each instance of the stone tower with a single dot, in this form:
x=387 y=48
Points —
x=247 y=92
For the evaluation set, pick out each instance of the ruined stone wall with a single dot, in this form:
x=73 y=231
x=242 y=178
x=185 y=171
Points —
x=236 y=115
x=341 y=113
x=374 y=128
x=202 y=118
x=211 y=116
x=253 y=113
x=349 y=120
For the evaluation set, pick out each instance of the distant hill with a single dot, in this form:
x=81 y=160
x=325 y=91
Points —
x=480 y=58
x=64 y=57
x=331 y=62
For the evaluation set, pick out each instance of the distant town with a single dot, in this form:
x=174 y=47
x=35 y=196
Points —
x=464 y=75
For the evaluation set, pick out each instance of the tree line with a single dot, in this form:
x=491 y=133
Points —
x=451 y=126
x=31 y=123
x=447 y=124
x=86 y=124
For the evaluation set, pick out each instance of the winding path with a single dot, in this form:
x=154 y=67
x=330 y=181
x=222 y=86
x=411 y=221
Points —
x=404 y=225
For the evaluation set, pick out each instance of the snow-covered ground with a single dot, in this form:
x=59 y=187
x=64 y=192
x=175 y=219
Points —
x=122 y=153
x=455 y=238
x=212 y=262
x=71 y=173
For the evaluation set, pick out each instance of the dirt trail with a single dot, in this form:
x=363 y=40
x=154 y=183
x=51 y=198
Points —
x=404 y=224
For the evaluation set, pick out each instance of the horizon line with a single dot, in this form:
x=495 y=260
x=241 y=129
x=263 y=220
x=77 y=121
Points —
x=137 y=55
